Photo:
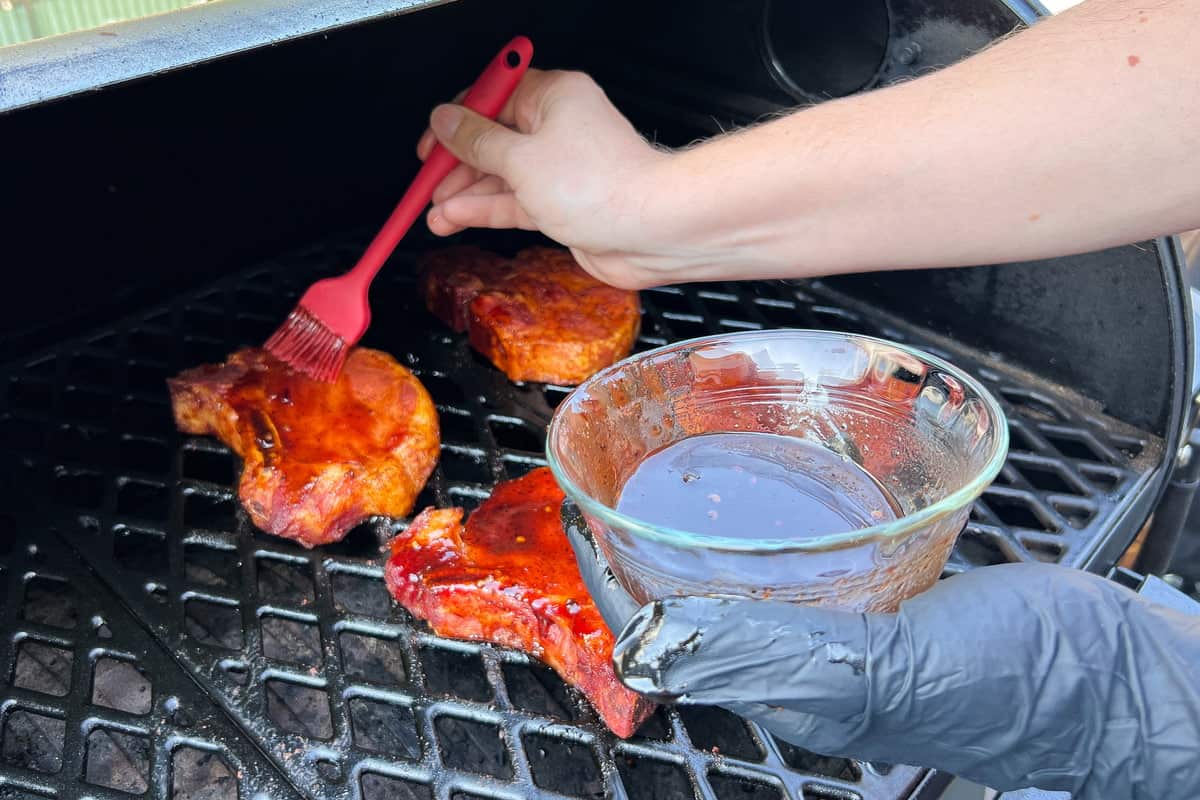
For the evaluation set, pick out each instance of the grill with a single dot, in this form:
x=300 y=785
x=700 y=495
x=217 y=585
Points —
x=154 y=642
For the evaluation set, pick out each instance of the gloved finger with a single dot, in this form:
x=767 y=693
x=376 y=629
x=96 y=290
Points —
x=726 y=652
x=800 y=672
x=475 y=140
x=484 y=211
x=614 y=603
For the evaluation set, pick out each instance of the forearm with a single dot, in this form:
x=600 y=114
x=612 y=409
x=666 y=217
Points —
x=1081 y=133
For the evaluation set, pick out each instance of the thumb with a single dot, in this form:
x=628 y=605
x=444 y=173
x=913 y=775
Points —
x=474 y=139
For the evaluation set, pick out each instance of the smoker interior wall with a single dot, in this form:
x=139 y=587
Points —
x=1096 y=322
x=136 y=191
x=128 y=195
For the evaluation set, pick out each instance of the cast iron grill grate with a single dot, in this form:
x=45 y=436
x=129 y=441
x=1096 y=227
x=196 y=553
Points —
x=304 y=650
x=91 y=705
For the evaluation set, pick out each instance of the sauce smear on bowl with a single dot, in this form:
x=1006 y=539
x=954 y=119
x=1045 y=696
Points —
x=754 y=485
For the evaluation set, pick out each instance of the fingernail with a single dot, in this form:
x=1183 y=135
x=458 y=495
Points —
x=445 y=120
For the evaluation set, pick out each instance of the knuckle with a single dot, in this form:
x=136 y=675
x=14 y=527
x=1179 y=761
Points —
x=577 y=82
x=564 y=85
x=483 y=147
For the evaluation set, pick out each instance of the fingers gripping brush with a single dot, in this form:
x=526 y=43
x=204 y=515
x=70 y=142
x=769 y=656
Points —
x=334 y=313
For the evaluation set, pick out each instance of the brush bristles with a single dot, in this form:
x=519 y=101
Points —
x=306 y=344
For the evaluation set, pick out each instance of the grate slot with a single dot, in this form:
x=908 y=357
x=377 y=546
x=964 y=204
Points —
x=648 y=778
x=43 y=667
x=473 y=746
x=298 y=708
x=213 y=568
x=815 y=764
x=452 y=672
x=720 y=732
x=735 y=787
x=118 y=684
x=214 y=622
x=388 y=728
x=118 y=760
x=50 y=600
x=382 y=787
x=374 y=659
x=536 y=689
x=564 y=766
x=198 y=774
x=33 y=741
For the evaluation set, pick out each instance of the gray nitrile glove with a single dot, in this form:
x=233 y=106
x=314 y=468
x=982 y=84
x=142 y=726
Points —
x=1012 y=676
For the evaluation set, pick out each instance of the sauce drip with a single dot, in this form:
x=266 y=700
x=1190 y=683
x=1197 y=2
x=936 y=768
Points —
x=754 y=485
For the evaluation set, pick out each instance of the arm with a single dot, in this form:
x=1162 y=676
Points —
x=1079 y=133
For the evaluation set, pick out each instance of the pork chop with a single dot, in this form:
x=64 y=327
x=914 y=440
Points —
x=538 y=316
x=318 y=458
x=509 y=577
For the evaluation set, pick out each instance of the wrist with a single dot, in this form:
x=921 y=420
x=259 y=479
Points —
x=741 y=206
x=684 y=226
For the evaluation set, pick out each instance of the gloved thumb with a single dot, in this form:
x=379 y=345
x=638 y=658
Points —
x=732 y=652
x=474 y=139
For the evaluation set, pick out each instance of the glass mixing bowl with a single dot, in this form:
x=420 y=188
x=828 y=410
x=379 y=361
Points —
x=929 y=434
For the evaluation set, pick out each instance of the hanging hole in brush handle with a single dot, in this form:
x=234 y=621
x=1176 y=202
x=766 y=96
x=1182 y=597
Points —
x=500 y=78
x=486 y=97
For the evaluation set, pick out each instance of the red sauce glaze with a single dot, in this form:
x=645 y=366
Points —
x=509 y=577
x=318 y=457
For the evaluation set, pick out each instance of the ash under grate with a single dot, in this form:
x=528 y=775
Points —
x=304 y=648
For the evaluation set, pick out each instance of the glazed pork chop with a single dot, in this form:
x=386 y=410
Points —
x=538 y=316
x=508 y=576
x=318 y=458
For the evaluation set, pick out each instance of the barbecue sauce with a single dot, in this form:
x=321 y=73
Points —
x=754 y=486
x=317 y=457
x=509 y=576
x=306 y=424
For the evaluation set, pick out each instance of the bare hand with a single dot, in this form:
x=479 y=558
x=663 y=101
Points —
x=562 y=160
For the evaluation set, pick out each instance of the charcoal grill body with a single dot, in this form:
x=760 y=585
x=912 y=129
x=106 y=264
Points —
x=155 y=643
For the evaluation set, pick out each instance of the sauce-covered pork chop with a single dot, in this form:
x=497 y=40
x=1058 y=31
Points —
x=318 y=458
x=538 y=316
x=509 y=577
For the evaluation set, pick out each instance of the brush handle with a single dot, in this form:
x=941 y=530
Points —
x=487 y=97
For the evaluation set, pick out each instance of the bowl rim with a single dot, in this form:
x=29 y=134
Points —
x=951 y=503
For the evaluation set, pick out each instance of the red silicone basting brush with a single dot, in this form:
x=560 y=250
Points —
x=334 y=313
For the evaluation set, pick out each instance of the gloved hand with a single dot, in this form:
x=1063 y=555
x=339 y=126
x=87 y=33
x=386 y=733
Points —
x=1012 y=676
